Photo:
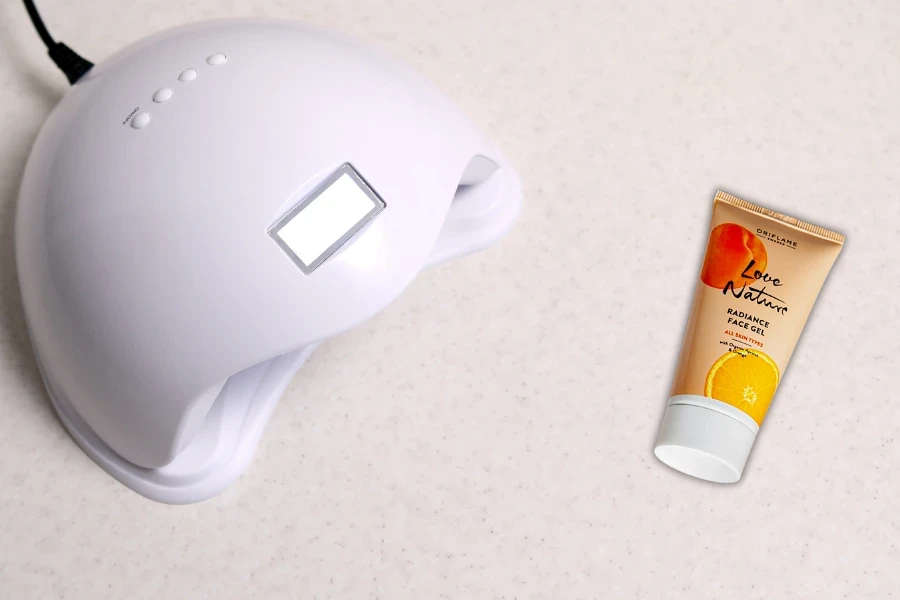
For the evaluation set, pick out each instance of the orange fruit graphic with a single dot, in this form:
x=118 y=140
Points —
x=745 y=379
x=731 y=248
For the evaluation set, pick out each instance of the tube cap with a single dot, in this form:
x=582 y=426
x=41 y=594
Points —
x=704 y=442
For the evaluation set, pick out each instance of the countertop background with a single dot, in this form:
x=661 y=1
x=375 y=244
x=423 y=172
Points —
x=503 y=447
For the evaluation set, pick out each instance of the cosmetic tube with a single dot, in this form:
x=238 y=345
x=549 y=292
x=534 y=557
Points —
x=760 y=278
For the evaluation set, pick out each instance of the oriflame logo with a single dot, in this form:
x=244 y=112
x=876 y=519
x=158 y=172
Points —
x=776 y=238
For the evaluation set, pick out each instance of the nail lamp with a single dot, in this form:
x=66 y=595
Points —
x=205 y=207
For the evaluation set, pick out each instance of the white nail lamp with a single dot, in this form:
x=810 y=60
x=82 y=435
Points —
x=210 y=203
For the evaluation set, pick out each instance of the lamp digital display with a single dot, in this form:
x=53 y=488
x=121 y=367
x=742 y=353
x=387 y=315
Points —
x=326 y=219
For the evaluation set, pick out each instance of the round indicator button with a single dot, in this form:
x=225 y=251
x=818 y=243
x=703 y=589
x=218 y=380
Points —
x=140 y=120
x=162 y=95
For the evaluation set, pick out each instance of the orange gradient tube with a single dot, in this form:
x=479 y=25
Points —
x=760 y=278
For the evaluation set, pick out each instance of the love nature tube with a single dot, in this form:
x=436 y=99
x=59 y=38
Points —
x=759 y=281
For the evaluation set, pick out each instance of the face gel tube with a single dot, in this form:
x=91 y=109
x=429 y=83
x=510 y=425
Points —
x=759 y=280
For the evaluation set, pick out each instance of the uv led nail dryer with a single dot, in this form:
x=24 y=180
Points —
x=205 y=207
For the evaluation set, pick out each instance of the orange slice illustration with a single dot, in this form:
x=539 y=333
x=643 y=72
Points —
x=744 y=379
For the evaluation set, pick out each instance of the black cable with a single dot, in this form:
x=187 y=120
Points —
x=39 y=24
x=73 y=65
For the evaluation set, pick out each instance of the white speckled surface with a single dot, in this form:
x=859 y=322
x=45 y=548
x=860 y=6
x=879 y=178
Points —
x=501 y=447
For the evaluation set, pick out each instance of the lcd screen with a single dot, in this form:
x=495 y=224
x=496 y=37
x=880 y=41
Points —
x=326 y=219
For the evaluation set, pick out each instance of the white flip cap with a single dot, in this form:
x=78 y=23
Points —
x=705 y=438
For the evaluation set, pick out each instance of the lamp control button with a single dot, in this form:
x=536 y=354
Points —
x=162 y=95
x=187 y=75
x=140 y=120
x=216 y=59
